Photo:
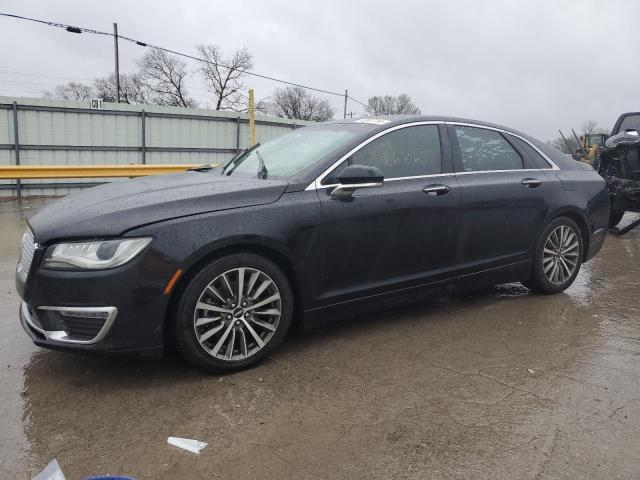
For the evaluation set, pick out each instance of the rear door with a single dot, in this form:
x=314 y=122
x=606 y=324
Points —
x=505 y=198
x=399 y=235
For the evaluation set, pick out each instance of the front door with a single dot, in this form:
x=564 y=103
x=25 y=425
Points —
x=397 y=236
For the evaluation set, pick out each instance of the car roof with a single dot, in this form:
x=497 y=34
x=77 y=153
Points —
x=389 y=120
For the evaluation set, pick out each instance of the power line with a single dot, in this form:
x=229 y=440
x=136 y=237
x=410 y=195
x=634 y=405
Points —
x=358 y=101
x=11 y=71
x=73 y=29
x=25 y=82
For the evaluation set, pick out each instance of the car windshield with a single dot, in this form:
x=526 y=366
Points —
x=289 y=154
x=630 y=122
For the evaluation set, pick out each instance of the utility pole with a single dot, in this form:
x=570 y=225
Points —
x=115 y=48
x=252 y=127
x=346 y=95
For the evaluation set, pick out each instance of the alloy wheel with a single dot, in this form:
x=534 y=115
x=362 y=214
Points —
x=560 y=254
x=237 y=313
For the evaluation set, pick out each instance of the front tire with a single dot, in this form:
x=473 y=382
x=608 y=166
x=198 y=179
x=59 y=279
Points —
x=558 y=257
x=233 y=313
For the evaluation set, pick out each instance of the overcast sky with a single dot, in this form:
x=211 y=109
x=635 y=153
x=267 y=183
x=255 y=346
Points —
x=533 y=65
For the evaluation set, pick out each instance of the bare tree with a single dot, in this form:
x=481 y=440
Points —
x=70 y=91
x=297 y=103
x=390 y=105
x=591 y=126
x=222 y=75
x=558 y=143
x=132 y=88
x=164 y=76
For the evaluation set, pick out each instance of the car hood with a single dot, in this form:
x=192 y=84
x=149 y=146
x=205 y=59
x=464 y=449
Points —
x=112 y=209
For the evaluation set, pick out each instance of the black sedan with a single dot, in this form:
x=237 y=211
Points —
x=330 y=219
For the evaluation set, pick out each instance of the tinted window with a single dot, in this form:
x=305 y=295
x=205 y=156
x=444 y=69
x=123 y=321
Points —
x=483 y=149
x=531 y=152
x=406 y=152
x=630 y=122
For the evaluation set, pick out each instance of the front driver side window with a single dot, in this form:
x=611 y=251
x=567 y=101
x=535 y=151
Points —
x=406 y=152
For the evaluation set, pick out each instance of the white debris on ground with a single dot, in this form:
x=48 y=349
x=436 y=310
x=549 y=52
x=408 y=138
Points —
x=51 y=472
x=193 y=446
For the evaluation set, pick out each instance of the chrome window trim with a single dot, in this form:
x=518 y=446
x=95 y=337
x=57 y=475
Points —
x=504 y=171
x=394 y=179
x=317 y=185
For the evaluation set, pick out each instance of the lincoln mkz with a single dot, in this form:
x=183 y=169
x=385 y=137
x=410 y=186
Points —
x=321 y=223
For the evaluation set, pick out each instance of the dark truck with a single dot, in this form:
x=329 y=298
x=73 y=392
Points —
x=619 y=164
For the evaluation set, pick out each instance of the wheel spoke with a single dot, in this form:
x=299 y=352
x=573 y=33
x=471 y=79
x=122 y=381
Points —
x=548 y=268
x=567 y=270
x=240 y=283
x=263 y=286
x=243 y=343
x=550 y=252
x=231 y=344
x=221 y=340
x=570 y=238
x=266 y=301
x=270 y=311
x=212 y=308
x=215 y=291
x=209 y=333
x=554 y=273
x=206 y=320
x=225 y=280
x=253 y=333
x=252 y=281
x=263 y=324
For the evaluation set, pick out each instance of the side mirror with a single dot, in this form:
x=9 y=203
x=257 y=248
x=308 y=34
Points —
x=355 y=177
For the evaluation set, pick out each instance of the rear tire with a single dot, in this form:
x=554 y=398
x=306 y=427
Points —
x=615 y=216
x=233 y=313
x=558 y=257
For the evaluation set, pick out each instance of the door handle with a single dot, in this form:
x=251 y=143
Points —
x=531 y=182
x=436 y=190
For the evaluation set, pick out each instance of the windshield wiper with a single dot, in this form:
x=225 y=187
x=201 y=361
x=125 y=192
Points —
x=237 y=157
x=202 y=168
x=262 y=169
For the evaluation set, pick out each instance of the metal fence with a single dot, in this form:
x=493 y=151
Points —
x=48 y=132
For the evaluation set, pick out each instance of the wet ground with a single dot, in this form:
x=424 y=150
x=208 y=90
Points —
x=498 y=384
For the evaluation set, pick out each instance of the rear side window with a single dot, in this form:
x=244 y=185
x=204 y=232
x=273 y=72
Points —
x=406 y=152
x=531 y=152
x=483 y=150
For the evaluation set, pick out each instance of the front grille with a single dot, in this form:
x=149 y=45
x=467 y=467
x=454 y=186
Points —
x=27 y=249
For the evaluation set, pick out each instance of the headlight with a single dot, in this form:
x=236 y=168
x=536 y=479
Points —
x=93 y=255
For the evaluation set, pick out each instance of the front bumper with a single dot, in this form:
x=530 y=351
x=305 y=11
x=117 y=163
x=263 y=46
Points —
x=122 y=309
